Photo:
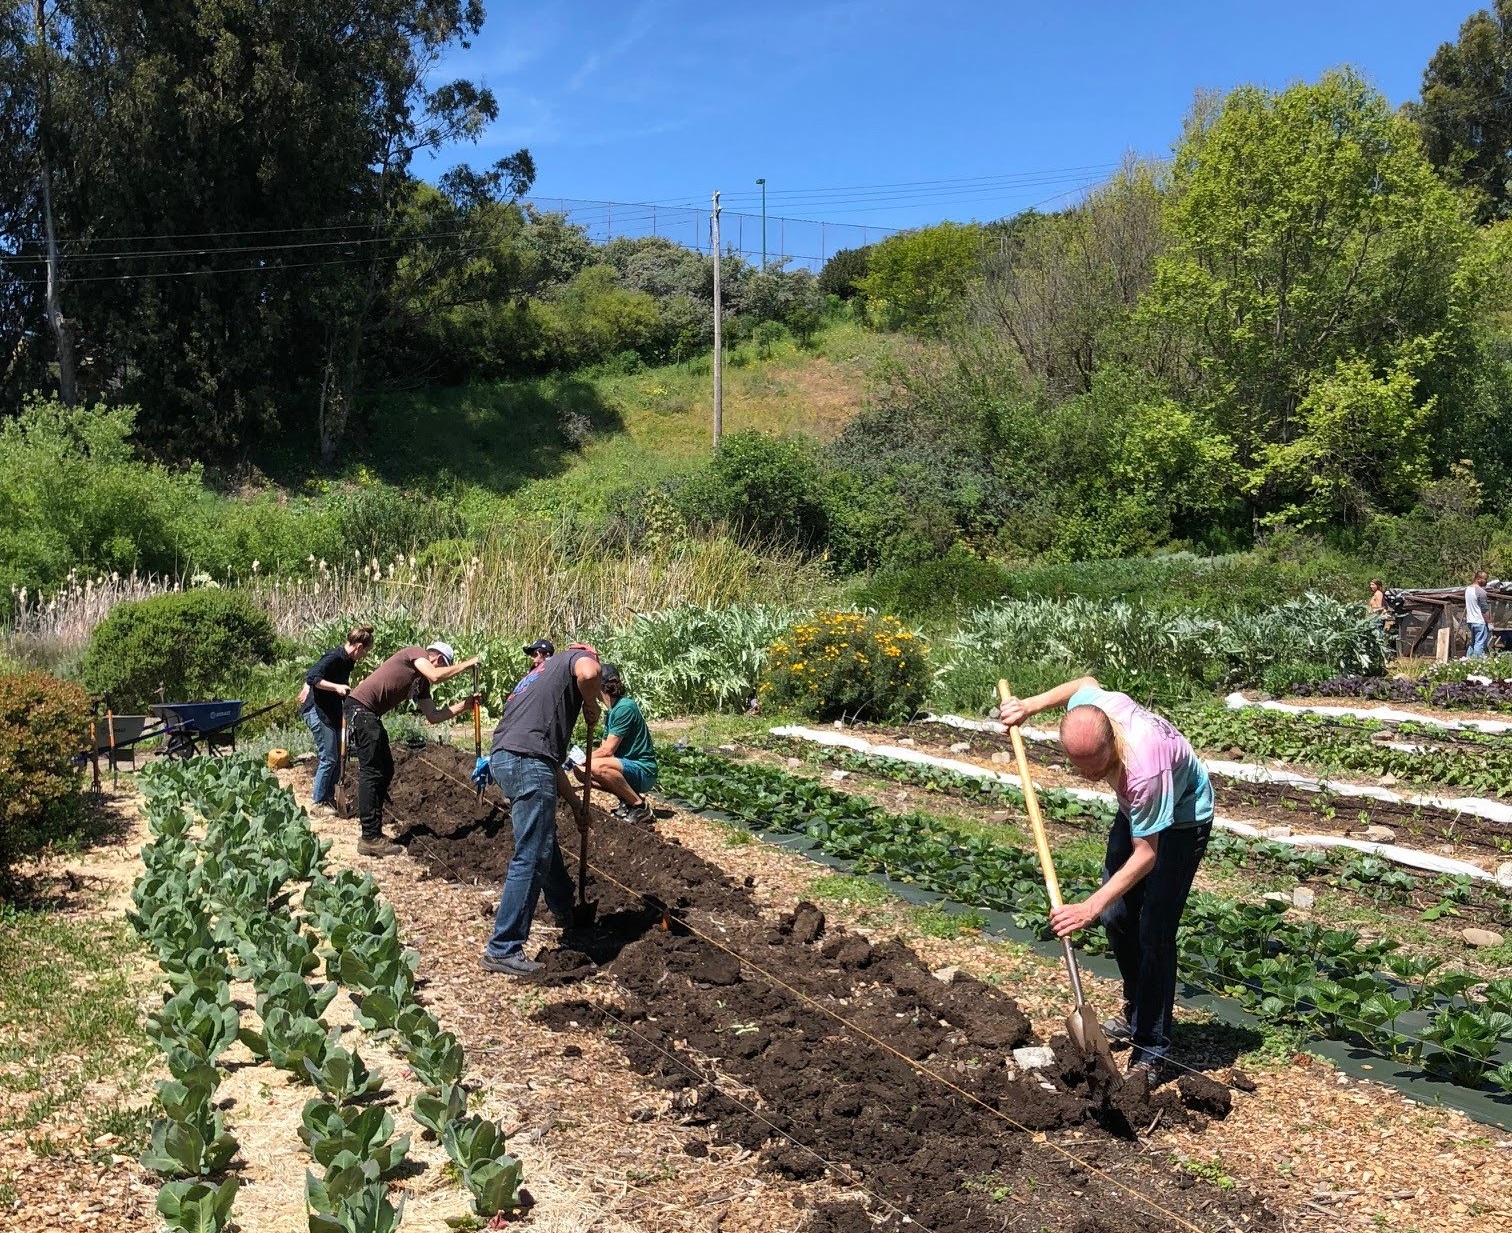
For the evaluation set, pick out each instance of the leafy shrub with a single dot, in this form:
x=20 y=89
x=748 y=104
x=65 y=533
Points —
x=43 y=725
x=847 y=664
x=767 y=487
x=196 y=644
x=937 y=588
x=917 y=279
x=843 y=272
x=688 y=659
x=1148 y=652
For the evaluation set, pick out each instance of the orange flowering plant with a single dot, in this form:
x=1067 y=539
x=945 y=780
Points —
x=847 y=665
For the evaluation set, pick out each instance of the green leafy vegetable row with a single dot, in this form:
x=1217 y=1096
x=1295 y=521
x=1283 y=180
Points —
x=1329 y=982
x=1476 y=763
x=1356 y=871
x=220 y=909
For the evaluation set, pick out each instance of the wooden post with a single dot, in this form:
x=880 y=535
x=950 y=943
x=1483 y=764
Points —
x=1445 y=633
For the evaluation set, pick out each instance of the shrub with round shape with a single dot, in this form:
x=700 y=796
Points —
x=197 y=645
x=847 y=665
x=43 y=726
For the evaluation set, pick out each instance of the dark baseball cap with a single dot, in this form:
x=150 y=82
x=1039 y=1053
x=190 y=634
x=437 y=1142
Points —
x=543 y=645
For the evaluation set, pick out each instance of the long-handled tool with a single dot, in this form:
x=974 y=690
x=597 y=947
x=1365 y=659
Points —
x=1081 y=1024
x=341 y=765
x=481 y=811
x=584 y=914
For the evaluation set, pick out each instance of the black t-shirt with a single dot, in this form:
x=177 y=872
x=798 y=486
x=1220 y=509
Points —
x=335 y=665
x=542 y=712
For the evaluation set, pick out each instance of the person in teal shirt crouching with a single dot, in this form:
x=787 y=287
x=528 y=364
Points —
x=624 y=762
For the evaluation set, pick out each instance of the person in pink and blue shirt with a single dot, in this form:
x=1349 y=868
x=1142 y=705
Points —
x=1165 y=816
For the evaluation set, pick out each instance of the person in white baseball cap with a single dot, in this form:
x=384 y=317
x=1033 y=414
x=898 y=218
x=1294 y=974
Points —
x=405 y=676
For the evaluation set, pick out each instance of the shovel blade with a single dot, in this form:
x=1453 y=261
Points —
x=1087 y=1035
x=584 y=914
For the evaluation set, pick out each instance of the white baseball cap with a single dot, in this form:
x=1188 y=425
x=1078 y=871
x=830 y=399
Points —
x=446 y=652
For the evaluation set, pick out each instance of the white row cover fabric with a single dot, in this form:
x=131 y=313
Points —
x=1386 y=714
x=1252 y=772
x=1395 y=853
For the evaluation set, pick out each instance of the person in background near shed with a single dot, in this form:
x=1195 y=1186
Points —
x=1476 y=602
x=320 y=707
x=525 y=759
x=625 y=761
x=405 y=676
x=1161 y=830
x=1377 y=598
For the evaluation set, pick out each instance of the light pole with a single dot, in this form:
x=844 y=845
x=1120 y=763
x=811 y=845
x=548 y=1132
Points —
x=762 y=182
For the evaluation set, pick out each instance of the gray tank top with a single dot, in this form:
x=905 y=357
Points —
x=542 y=712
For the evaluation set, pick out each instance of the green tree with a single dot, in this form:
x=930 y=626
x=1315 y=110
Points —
x=1359 y=444
x=1465 y=112
x=1305 y=228
x=231 y=183
x=917 y=280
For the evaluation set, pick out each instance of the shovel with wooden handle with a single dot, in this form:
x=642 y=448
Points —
x=1081 y=1024
x=481 y=812
x=584 y=913
x=341 y=765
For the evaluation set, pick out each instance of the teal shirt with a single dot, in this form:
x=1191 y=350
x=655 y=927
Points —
x=626 y=722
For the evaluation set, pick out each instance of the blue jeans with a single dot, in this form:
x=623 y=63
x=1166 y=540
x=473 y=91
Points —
x=1480 y=639
x=1142 y=928
x=328 y=747
x=536 y=866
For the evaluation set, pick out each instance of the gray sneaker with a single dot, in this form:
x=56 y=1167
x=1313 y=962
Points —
x=379 y=847
x=509 y=965
x=640 y=814
x=1117 y=1028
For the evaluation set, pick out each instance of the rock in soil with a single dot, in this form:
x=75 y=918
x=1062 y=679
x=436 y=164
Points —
x=1380 y=834
x=1481 y=937
x=1304 y=897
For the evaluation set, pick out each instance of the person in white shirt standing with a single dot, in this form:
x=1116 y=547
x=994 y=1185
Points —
x=1475 y=617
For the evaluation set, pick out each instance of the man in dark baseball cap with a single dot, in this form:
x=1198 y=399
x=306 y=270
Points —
x=540 y=651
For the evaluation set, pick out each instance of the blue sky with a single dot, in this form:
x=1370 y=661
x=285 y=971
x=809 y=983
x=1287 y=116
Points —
x=895 y=112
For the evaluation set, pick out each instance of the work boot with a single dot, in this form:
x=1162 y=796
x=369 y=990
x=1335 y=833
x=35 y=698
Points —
x=1117 y=1028
x=1151 y=1071
x=509 y=965
x=378 y=846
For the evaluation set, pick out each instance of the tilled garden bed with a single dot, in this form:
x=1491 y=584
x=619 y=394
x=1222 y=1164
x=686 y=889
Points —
x=1265 y=804
x=831 y=1056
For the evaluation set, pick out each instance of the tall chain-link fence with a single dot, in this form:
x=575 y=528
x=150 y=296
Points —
x=791 y=243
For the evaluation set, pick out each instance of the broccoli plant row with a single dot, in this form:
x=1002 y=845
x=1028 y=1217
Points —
x=1328 y=982
x=221 y=909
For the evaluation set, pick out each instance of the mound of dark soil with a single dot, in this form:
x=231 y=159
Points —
x=831 y=1055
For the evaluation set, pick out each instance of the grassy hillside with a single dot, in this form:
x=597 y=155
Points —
x=568 y=442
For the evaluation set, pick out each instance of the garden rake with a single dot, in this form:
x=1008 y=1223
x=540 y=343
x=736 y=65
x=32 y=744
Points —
x=1081 y=1024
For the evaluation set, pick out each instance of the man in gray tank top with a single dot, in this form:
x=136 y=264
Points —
x=526 y=755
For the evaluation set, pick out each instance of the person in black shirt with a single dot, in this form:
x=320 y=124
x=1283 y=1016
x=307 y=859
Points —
x=320 y=706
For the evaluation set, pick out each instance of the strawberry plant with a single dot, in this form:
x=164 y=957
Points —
x=1467 y=1038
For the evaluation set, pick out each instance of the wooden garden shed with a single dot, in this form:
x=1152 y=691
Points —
x=1430 y=621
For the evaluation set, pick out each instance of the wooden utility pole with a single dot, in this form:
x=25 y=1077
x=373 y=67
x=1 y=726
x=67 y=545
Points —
x=62 y=331
x=718 y=332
